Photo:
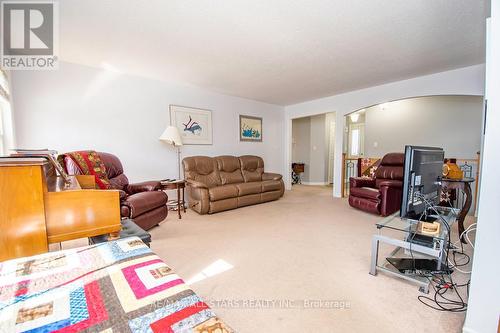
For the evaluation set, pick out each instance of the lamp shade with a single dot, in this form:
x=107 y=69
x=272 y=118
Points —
x=171 y=136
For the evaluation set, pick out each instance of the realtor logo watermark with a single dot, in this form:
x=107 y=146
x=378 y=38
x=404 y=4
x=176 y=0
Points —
x=30 y=35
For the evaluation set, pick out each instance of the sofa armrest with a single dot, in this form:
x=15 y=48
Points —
x=199 y=199
x=271 y=176
x=196 y=184
x=361 y=182
x=390 y=191
x=143 y=187
x=391 y=183
x=143 y=202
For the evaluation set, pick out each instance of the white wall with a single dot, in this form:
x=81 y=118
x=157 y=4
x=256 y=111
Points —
x=317 y=171
x=79 y=107
x=7 y=122
x=329 y=119
x=483 y=312
x=463 y=81
x=425 y=121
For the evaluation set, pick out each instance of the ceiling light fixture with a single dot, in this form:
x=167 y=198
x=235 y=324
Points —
x=354 y=117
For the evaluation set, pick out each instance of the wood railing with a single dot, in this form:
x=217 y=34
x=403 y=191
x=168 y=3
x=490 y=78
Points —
x=351 y=167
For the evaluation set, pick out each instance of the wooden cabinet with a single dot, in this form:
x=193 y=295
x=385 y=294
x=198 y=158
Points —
x=22 y=211
x=38 y=208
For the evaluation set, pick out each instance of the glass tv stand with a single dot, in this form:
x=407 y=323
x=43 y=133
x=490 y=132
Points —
x=405 y=249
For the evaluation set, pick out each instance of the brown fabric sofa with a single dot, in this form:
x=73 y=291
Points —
x=382 y=194
x=144 y=202
x=215 y=184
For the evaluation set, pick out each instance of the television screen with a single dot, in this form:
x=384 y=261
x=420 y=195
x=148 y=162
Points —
x=422 y=179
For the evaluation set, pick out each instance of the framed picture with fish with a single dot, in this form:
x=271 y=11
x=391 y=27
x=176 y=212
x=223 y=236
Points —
x=250 y=128
x=195 y=125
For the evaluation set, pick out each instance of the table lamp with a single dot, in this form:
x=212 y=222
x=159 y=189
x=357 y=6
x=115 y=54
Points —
x=171 y=136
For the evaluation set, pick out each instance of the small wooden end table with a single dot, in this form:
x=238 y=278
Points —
x=462 y=185
x=297 y=169
x=179 y=203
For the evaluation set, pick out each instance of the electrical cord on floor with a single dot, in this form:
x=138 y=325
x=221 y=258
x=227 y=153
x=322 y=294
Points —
x=446 y=224
x=454 y=247
x=439 y=301
x=455 y=251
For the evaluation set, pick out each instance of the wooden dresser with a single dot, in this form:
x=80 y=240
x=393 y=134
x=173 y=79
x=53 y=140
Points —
x=37 y=207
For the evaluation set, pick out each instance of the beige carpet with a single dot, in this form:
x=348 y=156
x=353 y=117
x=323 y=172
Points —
x=306 y=246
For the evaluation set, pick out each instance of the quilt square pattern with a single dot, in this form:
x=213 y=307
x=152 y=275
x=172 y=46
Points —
x=118 y=286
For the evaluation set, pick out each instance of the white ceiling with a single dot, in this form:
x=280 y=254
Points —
x=276 y=51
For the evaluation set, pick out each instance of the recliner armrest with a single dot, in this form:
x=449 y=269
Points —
x=142 y=202
x=271 y=176
x=196 y=184
x=361 y=182
x=143 y=187
x=391 y=183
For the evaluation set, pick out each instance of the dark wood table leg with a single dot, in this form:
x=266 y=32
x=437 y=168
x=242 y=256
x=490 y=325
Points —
x=183 y=202
x=464 y=211
x=179 y=202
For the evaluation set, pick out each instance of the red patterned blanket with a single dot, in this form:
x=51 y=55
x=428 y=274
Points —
x=90 y=163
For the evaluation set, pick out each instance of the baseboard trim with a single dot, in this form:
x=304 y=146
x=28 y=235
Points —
x=314 y=183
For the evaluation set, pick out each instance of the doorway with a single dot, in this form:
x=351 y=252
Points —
x=313 y=149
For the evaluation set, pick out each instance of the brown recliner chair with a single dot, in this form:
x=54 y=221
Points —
x=143 y=202
x=382 y=194
x=215 y=184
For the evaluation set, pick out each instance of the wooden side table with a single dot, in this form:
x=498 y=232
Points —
x=178 y=204
x=462 y=185
x=297 y=169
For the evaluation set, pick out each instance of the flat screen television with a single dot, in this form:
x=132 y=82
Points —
x=423 y=171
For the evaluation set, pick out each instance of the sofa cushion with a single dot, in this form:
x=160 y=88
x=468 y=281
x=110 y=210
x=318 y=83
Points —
x=221 y=205
x=391 y=167
x=252 y=168
x=229 y=169
x=270 y=185
x=222 y=192
x=114 y=167
x=271 y=176
x=365 y=192
x=249 y=188
x=270 y=196
x=247 y=200
x=202 y=169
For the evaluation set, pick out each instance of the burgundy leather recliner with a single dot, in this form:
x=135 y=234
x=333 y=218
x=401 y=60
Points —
x=143 y=202
x=382 y=194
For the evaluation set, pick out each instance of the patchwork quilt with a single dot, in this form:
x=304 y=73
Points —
x=119 y=286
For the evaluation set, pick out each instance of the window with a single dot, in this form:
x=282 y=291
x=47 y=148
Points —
x=356 y=140
x=5 y=115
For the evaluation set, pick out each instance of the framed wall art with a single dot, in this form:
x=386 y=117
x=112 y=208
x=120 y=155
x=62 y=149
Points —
x=194 y=125
x=250 y=129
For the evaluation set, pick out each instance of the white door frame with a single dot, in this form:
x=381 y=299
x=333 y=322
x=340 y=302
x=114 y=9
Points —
x=337 y=165
x=331 y=151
